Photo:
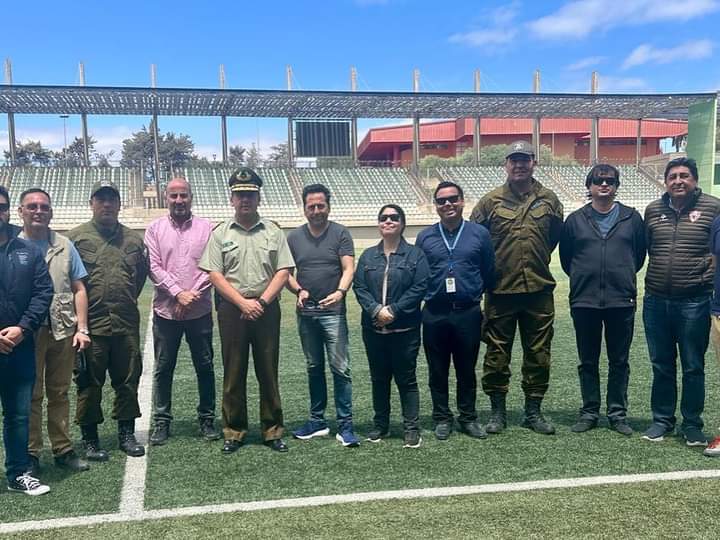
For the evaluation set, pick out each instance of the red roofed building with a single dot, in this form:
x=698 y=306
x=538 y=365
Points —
x=564 y=136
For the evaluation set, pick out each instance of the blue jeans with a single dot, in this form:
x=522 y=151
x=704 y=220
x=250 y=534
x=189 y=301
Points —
x=672 y=325
x=15 y=394
x=327 y=334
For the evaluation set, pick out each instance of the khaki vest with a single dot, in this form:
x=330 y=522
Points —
x=62 y=309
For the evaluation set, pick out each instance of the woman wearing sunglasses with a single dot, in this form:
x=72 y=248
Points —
x=390 y=282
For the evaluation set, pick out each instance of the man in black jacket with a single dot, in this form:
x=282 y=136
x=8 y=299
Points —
x=25 y=294
x=602 y=247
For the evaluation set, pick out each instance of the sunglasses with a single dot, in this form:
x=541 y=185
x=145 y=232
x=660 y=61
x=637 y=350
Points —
x=34 y=206
x=392 y=217
x=608 y=181
x=4 y=207
x=452 y=199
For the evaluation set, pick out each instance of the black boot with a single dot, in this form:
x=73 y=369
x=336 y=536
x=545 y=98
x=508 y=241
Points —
x=498 y=413
x=534 y=419
x=91 y=444
x=126 y=439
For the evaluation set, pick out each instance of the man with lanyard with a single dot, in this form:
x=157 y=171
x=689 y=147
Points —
x=63 y=332
x=462 y=267
x=524 y=219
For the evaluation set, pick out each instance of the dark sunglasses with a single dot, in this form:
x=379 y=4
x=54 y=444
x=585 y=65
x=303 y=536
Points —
x=452 y=199
x=599 y=181
x=4 y=207
x=392 y=217
x=34 y=206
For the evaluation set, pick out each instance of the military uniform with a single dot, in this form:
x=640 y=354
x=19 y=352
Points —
x=524 y=230
x=117 y=266
x=248 y=259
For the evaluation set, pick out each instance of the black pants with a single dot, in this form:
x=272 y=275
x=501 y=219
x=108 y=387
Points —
x=394 y=355
x=167 y=335
x=452 y=334
x=618 y=324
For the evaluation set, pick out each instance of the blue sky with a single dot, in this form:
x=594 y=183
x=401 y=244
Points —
x=635 y=45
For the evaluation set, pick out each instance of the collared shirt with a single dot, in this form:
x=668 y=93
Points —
x=247 y=258
x=116 y=262
x=525 y=230
x=473 y=262
x=174 y=251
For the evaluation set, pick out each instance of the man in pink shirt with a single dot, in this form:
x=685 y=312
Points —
x=181 y=306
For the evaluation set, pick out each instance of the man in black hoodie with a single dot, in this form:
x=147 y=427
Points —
x=602 y=247
x=25 y=293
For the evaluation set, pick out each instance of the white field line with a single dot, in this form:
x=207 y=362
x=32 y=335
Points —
x=302 y=502
x=132 y=498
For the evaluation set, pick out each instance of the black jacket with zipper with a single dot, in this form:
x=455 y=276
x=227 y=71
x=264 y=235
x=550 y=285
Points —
x=603 y=270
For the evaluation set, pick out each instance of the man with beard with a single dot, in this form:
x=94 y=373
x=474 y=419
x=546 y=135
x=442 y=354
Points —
x=524 y=219
x=182 y=305
x=324 y=255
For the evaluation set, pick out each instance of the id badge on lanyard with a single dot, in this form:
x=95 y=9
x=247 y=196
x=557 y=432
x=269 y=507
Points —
x=450 y=285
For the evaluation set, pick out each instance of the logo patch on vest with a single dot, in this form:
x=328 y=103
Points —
x=663 y=217
x=694 y=215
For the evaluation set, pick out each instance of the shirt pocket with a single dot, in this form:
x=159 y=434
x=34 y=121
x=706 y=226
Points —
x=541 y=216
x=230 y=257
x=503 y=221
x=88 y=254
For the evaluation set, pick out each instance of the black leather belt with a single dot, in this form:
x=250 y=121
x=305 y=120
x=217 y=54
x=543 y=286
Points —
x=451 y=306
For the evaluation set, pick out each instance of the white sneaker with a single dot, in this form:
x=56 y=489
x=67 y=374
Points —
x=27 y=484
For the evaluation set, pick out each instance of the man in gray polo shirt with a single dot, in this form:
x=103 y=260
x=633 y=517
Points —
x=324 y=257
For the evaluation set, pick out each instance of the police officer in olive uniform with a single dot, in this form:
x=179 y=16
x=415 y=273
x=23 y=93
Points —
x=117 y=265
x=249 y=261
x=524 y=219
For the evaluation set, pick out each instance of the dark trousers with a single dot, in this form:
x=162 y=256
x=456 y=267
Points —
x=167 y=335
x=671 y=326
x=534 y=314
x=391 y=356
x=618 y=324
x=118 y=355
x=15 y=396
x=237 y=336
x=452 y=334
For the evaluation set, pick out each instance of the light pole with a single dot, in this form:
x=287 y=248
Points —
x=64 y=119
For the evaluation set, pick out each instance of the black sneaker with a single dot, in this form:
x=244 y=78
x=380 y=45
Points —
x=412 y=439
x=208 y=431
x=694 y=436
x=622 y=427
x=443 y=430
x=71 y=461
x=27 y=484
x=583 y=425
x=473 y=429
x=376 y=435
x=160 y=434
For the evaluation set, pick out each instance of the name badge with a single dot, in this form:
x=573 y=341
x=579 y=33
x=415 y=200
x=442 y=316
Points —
x=450 y=285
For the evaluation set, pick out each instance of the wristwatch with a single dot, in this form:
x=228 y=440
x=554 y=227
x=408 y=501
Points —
x=343 y=291
x=262 y=302
x=26 y=332
x=84 y=331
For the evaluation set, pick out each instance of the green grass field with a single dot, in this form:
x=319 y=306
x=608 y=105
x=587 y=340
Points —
x=189 y=471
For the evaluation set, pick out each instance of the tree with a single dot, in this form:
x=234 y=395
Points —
x=278 y=154
x=236 y=155
x=139 y=151
x=31 y=153
x=253 y=157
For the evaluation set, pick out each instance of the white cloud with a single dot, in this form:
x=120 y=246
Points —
x=496 y=32
x=580 y=18
x=691 y=50
x=585 y=63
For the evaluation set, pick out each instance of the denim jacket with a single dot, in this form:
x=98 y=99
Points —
x=406 y=284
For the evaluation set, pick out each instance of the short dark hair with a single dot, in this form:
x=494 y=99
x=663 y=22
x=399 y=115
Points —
x=604 y=169
x=447 y=184
x=399 y=210
x=4 y=193
x=34 y=190
x=315 y=188
x=682 y=162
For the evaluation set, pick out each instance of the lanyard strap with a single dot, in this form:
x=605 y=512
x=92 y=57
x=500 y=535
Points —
x=447 y=244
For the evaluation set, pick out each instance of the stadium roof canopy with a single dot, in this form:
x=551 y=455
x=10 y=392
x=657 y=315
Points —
x=26 y=99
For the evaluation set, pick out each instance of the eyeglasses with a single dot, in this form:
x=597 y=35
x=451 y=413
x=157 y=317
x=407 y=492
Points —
x=599 y=181
x=320 y=206
x=452 y=199
x=4 y=207
x=392 y=217
x=35 y=206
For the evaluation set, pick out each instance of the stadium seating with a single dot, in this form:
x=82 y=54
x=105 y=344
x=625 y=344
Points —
x=357 y=193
